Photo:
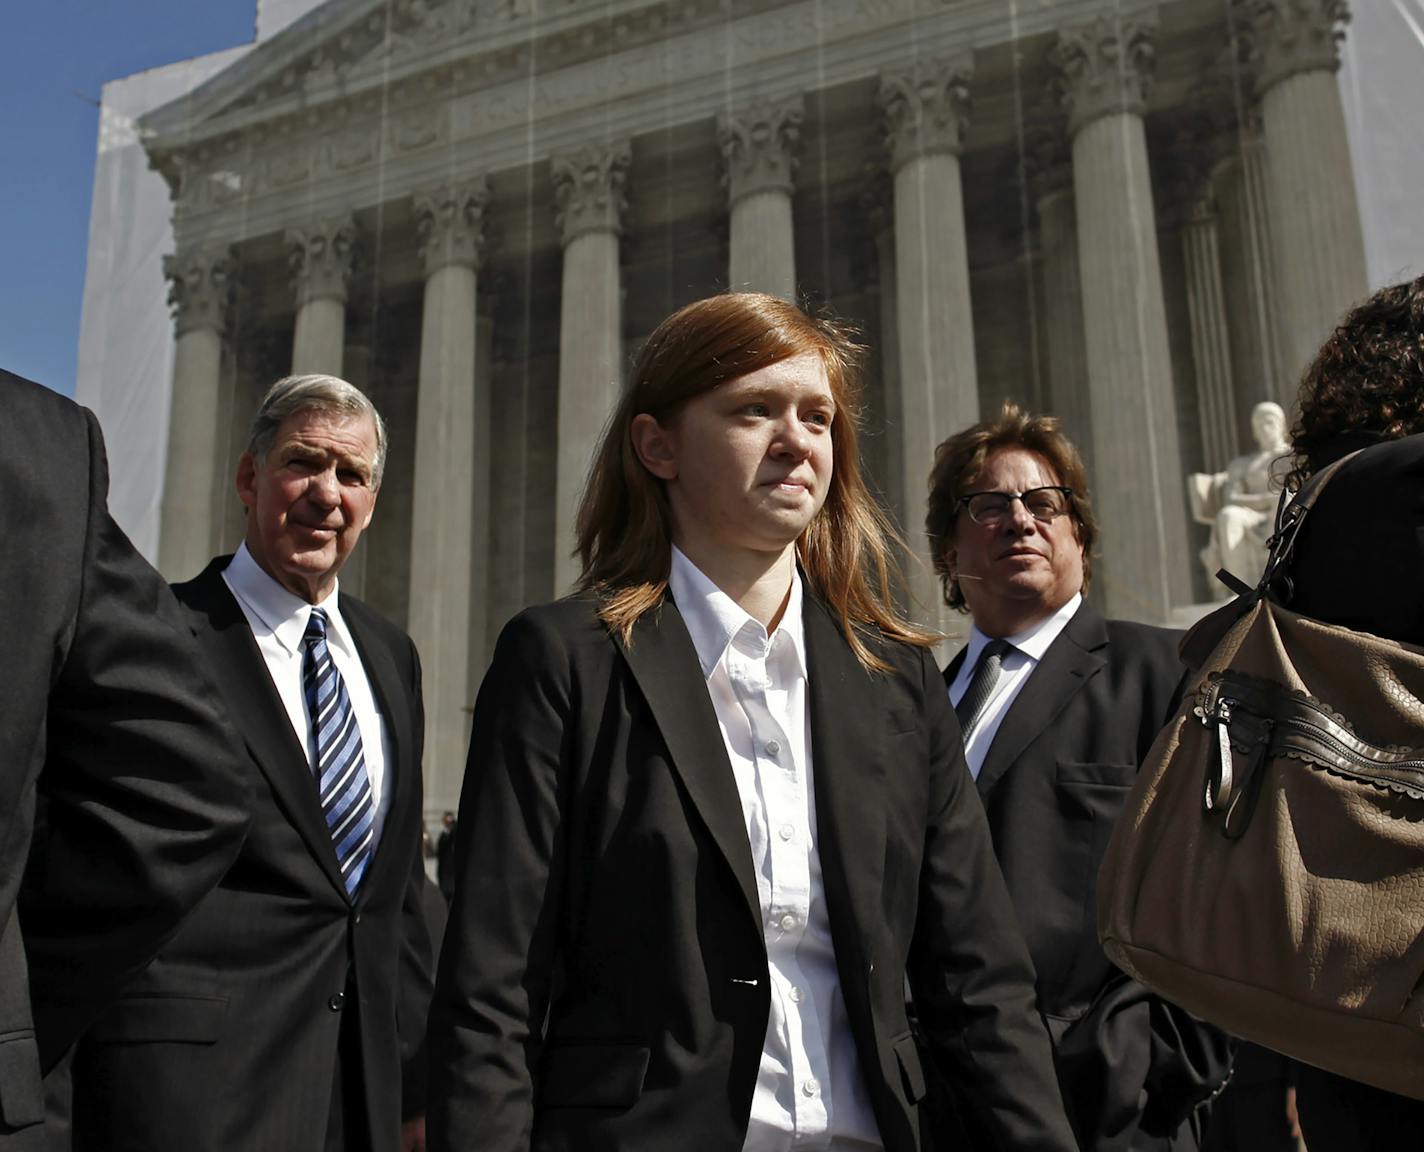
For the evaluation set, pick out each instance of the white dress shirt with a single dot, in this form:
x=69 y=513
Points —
x=809 y=1093
x=278 y=620
x=1017 y=667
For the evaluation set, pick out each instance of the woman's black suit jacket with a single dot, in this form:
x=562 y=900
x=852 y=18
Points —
x=604 y=979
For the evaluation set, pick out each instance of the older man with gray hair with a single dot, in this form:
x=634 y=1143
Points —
x=271 y=1020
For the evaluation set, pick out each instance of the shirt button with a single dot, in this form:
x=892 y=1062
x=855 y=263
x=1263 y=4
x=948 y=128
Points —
x=795 y=995
x=809 y=1087
x=336 y=1001
x=786 y=831
x=773 y=747
x=788 y=922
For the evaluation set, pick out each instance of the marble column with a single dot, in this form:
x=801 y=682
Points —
x=926 y=117
x=1310 y=186
x=1050 y=173
x=199 y=289
x=1104 y=69
x=1247 y=275
x=882 y=225
x=588 y=190
x=1211 y=348
x=482 y=529
x=320 y=259
x=443 y=551
x=759 y=145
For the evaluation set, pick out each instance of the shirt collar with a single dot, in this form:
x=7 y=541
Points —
x=714 y=619
x=282 y=614
x=1034 y=640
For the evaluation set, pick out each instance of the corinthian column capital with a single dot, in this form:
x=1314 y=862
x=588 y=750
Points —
x=199 y=287
x=926 y=109
x=449 y=219
x=1290 y=36
x=1103 y=68
x=759 y=142
x=320 y=258
x=588 y=188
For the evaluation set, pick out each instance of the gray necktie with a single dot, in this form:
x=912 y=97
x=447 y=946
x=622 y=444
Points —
x=981 y=685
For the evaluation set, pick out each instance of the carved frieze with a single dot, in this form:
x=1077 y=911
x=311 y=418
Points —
x=1103 y=68
x=926 y=109
x=422 y=127
x=1285 y=37
x=759 y=143
x=450 y=221
x=588 y=188
x=351 y=149
x=288 y=166
x=415 y=27
x=199 y=287
x=319 y=257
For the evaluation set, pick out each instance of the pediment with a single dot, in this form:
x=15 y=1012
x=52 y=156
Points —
x=336 y=50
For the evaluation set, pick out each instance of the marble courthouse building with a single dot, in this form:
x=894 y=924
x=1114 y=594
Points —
x=1140 y=216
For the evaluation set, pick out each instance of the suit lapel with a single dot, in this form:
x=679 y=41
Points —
x=236 y=663
x=1070 y=662
x=664 y=663
x=393 y=699
x=848 y=768
x=951 y=670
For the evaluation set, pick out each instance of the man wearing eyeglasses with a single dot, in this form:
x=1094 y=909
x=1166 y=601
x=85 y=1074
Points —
x=1058 y=707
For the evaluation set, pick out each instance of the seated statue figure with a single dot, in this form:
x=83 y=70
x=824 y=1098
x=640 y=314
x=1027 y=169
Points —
x=1240 y=503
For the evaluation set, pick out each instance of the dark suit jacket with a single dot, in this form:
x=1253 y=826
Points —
x=106 y=735
x=1359 y=560
x=604 y=979
x=1053 y=784
x=230 y=1039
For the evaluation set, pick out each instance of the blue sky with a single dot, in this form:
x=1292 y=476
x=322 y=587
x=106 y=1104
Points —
x=58 y=55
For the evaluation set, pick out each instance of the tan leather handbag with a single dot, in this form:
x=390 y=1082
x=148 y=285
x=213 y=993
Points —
x=1267 y=872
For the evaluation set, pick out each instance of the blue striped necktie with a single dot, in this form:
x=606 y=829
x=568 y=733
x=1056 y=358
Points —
x=344 y=787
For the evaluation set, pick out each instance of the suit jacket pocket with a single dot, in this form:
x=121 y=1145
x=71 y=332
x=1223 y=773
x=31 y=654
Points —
x=900 y=720
x=1093 y=791
x=157 y=1019
x=1112 y=775
x=912 y=1075
x=592 y=1075
x=21 y=1092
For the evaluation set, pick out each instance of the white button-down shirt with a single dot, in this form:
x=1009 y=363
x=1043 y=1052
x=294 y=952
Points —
x=809 y=1091
x=1017 y=667
x=278 y=620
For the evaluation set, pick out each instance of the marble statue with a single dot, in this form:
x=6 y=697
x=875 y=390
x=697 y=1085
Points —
x=1240 y=503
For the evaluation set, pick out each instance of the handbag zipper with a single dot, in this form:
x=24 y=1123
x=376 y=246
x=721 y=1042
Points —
x=1218 y=708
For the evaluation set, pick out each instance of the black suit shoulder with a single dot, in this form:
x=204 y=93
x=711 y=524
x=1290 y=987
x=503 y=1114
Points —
x=96 y=690
x=1145 y=650
x=1359 y=560
x=570 y=625
x=1152 y=643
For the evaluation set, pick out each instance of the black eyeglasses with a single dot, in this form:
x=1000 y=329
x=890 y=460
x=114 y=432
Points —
x=1044 y=504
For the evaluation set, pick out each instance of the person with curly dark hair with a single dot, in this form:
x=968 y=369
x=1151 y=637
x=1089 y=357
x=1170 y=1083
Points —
x=1366 y=384
x=1359 y=562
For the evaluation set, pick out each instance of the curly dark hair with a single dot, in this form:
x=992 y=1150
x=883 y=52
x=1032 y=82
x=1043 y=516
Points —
x=960 y=460
x=1366 y=383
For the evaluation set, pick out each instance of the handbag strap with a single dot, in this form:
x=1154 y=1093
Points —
x=1202 y=638
x=1290 y=515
